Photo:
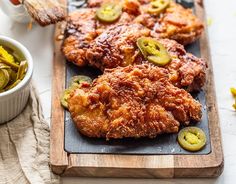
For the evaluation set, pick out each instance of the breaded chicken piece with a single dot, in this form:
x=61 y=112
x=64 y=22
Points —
x=117 y=47
x=129 y=6
x=176 y=23
x=80 y=31
x=133 y=101
x=82 y=26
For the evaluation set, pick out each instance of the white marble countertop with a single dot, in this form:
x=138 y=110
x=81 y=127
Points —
x=222 y=35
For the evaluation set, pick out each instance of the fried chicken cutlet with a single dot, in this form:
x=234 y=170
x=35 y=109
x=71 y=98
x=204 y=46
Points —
x=117 y=47
x=80 y=31
x=175 y=22
x=133 y=101
x=83 y=26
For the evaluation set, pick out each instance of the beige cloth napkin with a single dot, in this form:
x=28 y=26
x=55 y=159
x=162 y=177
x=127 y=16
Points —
x=24 y=147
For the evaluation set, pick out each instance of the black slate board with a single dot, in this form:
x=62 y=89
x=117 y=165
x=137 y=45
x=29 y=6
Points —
x=76 y=143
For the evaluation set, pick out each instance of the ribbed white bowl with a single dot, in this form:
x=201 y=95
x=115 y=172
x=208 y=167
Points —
x=13 y=101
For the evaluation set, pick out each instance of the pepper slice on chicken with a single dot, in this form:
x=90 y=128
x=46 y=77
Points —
x=117 y=46
x=133 y=101
x=175 y=22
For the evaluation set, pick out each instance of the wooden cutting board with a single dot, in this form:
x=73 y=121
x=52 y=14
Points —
x=207 y=164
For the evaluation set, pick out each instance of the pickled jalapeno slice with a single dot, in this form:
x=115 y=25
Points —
x=109 y=12
x=22 y=70
x=74 y=83
x=192 y=138
x=5 y=55
x=233 y=91
x=11 y=64
x=13 y=85
x=78 y=79
x=64 y=98
x=153 y=51
x=158 y=6
x=3 y=66
x=4 y=78
x=12 y=69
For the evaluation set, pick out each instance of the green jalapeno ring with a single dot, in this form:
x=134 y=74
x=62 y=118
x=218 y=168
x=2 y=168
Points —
x=64 y=98
x=78 y=79
x=12 y=74
x=13 y=65
x=192 y=138
x=4 y=78
x=158 y=6
x=11 y=70
x=13 y=85
x=21 y=70
x=153 y=51
x=4 y=66
x=74 y=83
x=109 y=12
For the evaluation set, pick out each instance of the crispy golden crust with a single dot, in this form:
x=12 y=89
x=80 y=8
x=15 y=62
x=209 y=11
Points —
x=185 y=70
x=129 y=6
x=117 y=47
x=133 y=101
x=80 y=31
x=175 y=23
x=82 y=26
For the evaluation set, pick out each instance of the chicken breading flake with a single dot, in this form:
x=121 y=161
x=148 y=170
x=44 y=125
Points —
x=133 y=101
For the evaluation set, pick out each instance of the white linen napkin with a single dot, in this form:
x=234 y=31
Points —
x=24 y=147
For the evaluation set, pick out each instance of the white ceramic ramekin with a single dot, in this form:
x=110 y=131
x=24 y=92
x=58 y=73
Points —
x=15 y=12
x=13 y=101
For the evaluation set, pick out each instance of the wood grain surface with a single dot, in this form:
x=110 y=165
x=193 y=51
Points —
x=148 y=166
x=58 y=157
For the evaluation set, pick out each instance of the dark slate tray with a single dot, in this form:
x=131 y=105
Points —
x=76 y=143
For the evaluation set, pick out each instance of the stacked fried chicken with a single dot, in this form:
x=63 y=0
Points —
x=116 y=46
x=134 y=97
